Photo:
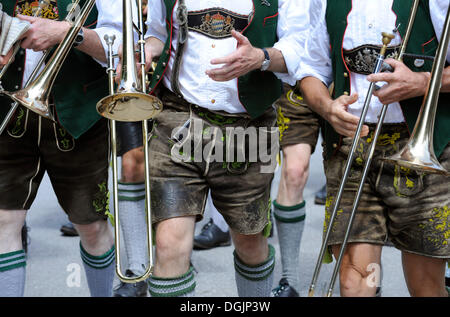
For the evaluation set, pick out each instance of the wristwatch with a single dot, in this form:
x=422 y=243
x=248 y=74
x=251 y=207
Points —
x=79 y=38
x=266 y=63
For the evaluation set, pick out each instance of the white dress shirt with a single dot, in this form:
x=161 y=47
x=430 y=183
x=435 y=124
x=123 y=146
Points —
x=109 y=22
x=366 y=21
x=195 y=85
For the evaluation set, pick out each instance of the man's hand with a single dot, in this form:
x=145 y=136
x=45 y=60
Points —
x=43 y=33
x=4 y=59
x=401 y=84
x=343 y=122
x=148 y=61
x=245 y=59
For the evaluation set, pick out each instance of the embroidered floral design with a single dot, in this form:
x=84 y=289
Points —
x=101 y=201
x=439 y=226
x=282 y=122
x=329 y=203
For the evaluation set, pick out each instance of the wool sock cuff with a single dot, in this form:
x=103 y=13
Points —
x=255 y=272
x=12 y=260
x=172 y=287
x=98 y=262
x=294 y=213
x=131 y=191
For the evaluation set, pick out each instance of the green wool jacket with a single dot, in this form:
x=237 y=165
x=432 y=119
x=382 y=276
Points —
x=78 y=86
x=257 y=90
x=423 y=41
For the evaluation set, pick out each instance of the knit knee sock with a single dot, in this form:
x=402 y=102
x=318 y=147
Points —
x=100 y=272
x=133 y=223
x=290 y=222
x=254 y=280
x=12 y=274
x=181 y=286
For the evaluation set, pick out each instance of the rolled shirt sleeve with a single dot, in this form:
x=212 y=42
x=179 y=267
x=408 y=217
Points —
x=438 y=10
x=292 y=31
x=109 y=22
x=156 y=25
x=316 y=59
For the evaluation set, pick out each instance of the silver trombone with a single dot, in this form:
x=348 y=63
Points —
x=386 y=40
x=130 y=103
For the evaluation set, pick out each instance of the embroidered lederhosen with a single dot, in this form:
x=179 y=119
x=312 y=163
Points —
x=18 y=125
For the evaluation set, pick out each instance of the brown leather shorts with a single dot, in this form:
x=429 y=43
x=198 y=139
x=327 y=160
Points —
x=298 y=124
x=409 y=208
x=180 y=180
x=78 y=169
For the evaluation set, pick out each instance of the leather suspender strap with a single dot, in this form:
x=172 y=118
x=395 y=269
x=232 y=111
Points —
x=182 y=18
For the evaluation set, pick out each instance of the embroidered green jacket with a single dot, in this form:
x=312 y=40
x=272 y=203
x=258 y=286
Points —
x=423 y=41
x=257 y=90
x=78 y=86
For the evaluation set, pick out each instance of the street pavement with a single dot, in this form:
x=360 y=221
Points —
x=54 y=267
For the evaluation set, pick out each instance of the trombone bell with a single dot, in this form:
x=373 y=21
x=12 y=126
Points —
x=414 y=156
x=129 y=106
x=33 y=99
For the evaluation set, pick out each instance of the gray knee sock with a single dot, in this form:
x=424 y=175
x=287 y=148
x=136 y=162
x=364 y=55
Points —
x=12 y=274
x=181 y=286
x=290 y=222
x=133 y=224
x=100 y=272
x=255 y=280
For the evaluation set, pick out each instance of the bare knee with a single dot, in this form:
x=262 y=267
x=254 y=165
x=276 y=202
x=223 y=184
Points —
x=296 y=175
x=133 y=166
x=132 y=171
x=174 y=242
x=11 y=223
x=252 y=249
x=96 y=237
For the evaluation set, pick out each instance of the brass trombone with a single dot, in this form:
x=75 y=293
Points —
x=418 y=153
x=386 y=40
x=41 y=62
x=36 y=94
x=130 y=103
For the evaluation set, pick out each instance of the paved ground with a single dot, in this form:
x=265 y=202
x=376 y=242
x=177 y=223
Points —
x=54 y=263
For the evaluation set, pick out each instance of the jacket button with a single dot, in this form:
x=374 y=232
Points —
x=334 y=145
x=345 y=74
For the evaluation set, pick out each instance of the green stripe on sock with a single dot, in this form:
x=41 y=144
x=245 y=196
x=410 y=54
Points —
x=131 y=183
x=131 y=190
x=98 y=262
x=13 y=266
x=289 y=220
x=289 y=208
x=174 y=294
x=160 y=286
x=6 y=255
x=22 y=257
x=243 y=269
x=127 y=198
x=191 y=269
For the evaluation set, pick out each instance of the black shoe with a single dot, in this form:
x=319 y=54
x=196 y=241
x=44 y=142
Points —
x=138 y=289
x=25 y=239
x=284 y=290
x=210 y=237
x=378 y=292
x=69 y=230
x=321 y=196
